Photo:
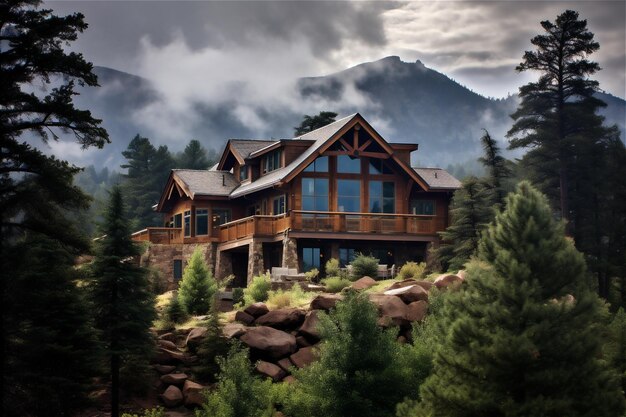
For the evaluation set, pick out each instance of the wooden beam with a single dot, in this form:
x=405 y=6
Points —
x=348 y=147
x=375 y=155
x=365 y=145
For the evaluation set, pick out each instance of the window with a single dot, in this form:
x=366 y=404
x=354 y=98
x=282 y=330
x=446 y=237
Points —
x=310 y=258
x=221 y=216
x=178 y=270
x=348 y=164
x=382 y=197
x=319 y=165
x=187 y=218
x=243 y=173
x=378 y=166
x=349 y=195
x=202 y=222
x=278 y=205
x=315 y=194
x=272 y=161
x=178 y=221
x=426 y=207
x=346 y=256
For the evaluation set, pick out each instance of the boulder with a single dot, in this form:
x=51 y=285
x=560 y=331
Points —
x=282 y=318
x=304 y=357
x=257 y=309
x=301 y=341
x=285 y=363
x=401 y=284
x=409 y=294
x=270 y=370
x=274 y=343
x=193 y=394
x=168 y=336
x=195 y=337
x=391 y=308
x=243 y=317
x=164 y=369
x=174 y=379
x=363 y=283
x=289 y=379
x=427 y=285
x=325 y=301
x=167 y=344
x=447 y=280
x=172 y=396
x=166 y=356
x=232 y=330
x=416 y=311
x=309 y=327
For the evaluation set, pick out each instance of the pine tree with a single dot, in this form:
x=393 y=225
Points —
x=120 y=292
x=616 y=345
x=471 y=212
x=361 y=370
x=497 y=170
x=214 y=346
x=198 y=287
x=310 y=123
x=51 y=355
x=523 y=336
x=195 y=156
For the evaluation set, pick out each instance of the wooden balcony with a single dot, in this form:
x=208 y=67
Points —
x=253 y=226
x=160 y=235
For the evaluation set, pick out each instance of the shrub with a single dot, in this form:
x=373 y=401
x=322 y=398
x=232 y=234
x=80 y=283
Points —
x=214 y=346
x=332 y=268
x=336 y=284
x=198 y=286
x=279 y=299
x=412 y=270
x=364 y=265
x=239 y=393
x=312 y=275
x=174 y=312
x=258 y=290
x=152 y=412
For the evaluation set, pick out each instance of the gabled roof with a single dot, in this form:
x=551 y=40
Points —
x=438 y=179
x=242 y=148
x=194 y=183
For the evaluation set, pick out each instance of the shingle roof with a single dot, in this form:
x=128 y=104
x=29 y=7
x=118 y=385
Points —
x=246 y=146
x=438 y=179
x=320 y=136
x=203 y=182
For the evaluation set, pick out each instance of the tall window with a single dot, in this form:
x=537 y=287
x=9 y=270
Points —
x=272 y=161
x=382 y=197
x=202 y=222
x=426 y=207
x=348 y=165
x=178 y=270
x=378 y=166
x=349 y=195
x=346 y=255
x=221 y=216
x=243 y=173
x=187 y=222
x=278 y=205
x=178 y=221
x=315 y=194
x=310 y=258
x=319 y=165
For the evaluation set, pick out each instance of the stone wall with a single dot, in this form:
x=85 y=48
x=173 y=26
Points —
x=290 y=253
x=255 y=259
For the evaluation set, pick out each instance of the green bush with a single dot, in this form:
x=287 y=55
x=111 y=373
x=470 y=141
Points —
x=332 y=268
x=237 y=295
x=279 y=299
x=174 y=312
x=312 y=275
x=412 y=270
x=336 y=284
x=239 y=393
x=258 y=290
x=152 y=412
x=198 y=287
x=364 y=265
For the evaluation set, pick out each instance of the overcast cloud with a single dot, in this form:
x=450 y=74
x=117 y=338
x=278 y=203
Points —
x=248 y=55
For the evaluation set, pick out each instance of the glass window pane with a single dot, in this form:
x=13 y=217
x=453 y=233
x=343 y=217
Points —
x=374 y=165
x=321 y=203
x=321 y=164
x=389 y=189
x=376 y=189
x=308 y=203
x=307 y=186
x=348 y=165
x=389 y=205
x=321 y=186
x=375 y=205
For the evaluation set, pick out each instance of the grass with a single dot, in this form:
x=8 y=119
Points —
x=295 y=297
x=381 y=286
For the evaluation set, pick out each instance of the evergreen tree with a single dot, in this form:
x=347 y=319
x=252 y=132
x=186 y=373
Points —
x=175 y=312
x=361 y=371
x=616 y=346
x=198 y=287
x=239 y=393
x=310 y=123
x=120 y=291
x=559 y=108
x=471 y=212
x=215 y=345
x=195 y=156
x=51 y=354
x=148 y=168
x=497 y=170
x=523 y=336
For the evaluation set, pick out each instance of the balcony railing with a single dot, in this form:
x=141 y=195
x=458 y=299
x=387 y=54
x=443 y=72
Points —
x=162 y=235
x=253 y=226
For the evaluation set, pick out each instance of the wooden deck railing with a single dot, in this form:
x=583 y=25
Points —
x=340 y=222
x=253 y=226
x=163 y=235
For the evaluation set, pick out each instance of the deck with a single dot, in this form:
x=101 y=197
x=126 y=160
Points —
x=320 y=224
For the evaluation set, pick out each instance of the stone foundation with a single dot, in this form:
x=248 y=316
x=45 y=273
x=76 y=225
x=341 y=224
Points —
x=290 y=253
x=223 y=265
x=255 y=260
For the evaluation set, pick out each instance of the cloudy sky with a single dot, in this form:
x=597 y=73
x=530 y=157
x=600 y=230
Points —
x=478 y=43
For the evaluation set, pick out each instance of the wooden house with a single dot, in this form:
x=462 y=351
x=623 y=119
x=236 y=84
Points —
x=295 y=203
